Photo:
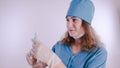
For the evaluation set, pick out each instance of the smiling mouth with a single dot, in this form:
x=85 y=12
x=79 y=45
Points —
x=71 y=30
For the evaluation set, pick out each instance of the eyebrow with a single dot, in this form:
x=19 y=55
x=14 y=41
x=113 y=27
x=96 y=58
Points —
x=71 y=17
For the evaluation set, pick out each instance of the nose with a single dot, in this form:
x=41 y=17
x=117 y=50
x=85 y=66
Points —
x=69 y=24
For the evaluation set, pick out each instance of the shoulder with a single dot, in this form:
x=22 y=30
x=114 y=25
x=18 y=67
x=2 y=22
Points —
x=98 y=52
x=57 y=45
x=99 y=49
x=97 y=57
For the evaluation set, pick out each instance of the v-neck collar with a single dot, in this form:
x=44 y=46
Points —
x=71 y=52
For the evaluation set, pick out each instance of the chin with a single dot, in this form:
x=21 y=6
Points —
x=72 y=35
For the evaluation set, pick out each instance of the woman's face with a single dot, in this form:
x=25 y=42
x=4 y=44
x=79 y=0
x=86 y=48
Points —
x=74 y=27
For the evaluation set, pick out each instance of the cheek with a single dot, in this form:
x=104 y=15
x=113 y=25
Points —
x=78 y=25
x=67 y=26
x=79 y=30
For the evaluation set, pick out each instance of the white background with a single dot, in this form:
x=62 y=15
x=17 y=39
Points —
x=20 y=19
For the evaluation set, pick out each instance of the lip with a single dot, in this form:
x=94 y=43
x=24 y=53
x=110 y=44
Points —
x=71 y=30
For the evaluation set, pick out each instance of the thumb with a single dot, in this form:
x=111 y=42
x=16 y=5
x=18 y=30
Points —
x=36 y=43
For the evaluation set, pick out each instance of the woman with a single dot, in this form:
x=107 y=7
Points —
x=80 y=48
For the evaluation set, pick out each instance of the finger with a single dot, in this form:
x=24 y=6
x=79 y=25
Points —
x=43 y=64
x=29 y=56
x=33 y=40
x=35 y=43
x=33 y=52
x=29 y=59
x=35 y=46
x=40 y=64
x=36 y=65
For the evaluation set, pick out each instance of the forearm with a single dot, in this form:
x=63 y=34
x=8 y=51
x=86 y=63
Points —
x=52 y=60
x=60 y=65
x=46 y=55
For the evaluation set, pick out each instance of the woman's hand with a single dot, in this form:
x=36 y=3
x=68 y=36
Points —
x=46 y=55
x=31 y=59
x=39 y=64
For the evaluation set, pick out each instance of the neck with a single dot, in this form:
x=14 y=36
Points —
x=77 y=41
x=76 y=48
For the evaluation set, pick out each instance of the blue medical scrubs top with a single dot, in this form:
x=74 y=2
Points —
x=94 y=58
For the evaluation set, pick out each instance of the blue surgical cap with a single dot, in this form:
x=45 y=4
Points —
x=83 y=9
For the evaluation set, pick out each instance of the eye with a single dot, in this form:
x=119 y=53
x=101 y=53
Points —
x=67 y=20
x=74 y=20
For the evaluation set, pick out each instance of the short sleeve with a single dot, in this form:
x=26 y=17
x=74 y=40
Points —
x=55 y=46
x=98 y=60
